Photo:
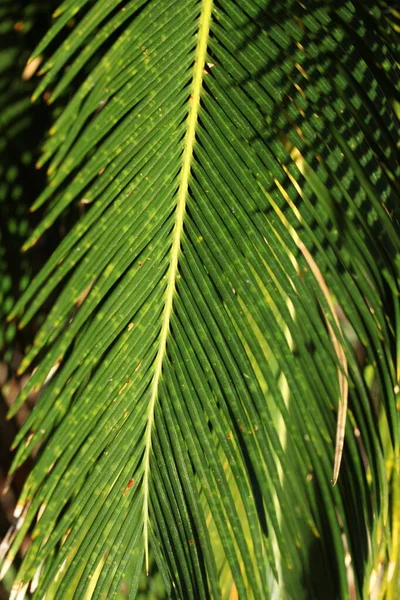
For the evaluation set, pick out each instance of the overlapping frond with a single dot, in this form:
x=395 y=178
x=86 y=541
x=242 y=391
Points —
x=236 y=269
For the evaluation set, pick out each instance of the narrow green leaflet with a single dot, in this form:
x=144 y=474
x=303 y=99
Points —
x=223 y=334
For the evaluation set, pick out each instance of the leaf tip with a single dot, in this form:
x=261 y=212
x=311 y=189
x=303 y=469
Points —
x=6 y=565
x=335 y=474
x=31 y=67
x=27 y=245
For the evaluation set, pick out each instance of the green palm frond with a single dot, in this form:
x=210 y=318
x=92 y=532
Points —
x=235 y=271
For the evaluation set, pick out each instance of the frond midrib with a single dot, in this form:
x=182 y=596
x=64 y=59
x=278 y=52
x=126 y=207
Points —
x=184 y=176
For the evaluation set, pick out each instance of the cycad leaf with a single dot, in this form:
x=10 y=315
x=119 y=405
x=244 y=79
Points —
x=239 y=253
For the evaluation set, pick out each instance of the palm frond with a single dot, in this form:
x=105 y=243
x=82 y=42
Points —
x=235 y=271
